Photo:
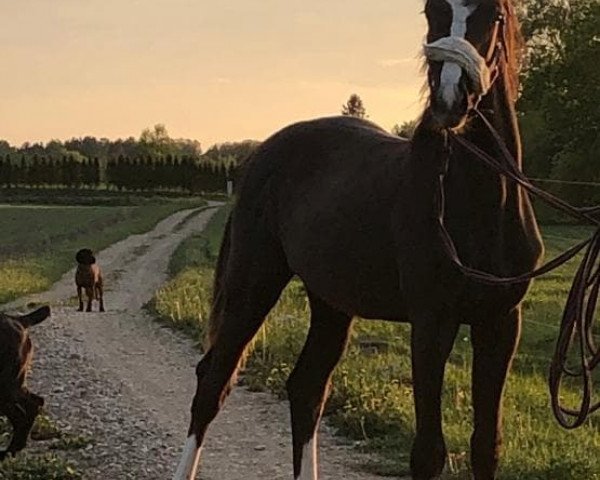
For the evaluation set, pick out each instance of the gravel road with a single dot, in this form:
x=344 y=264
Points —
x=127 y=382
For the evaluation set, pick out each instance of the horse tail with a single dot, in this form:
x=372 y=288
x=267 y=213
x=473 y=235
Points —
x=215 y=319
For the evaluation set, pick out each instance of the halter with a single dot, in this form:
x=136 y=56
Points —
x=482 y=72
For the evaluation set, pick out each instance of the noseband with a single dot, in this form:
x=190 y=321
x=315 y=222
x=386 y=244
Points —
x=482 y=72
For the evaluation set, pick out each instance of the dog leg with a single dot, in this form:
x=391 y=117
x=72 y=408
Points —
x=79 y=294
x=90 y=296
x=100 y=296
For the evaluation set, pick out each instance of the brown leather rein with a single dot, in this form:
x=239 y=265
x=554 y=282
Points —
x=578 y=318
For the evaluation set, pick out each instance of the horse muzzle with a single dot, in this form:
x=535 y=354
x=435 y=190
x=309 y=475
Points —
x=450 y=114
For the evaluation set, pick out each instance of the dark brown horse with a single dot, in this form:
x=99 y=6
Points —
x=353 y=211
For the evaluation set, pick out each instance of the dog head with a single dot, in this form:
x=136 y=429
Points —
x=85 y=257
x=15 y=345
x=28 y=320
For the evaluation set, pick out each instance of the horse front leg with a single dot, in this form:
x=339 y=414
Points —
x=431 y=343
x=494 y=345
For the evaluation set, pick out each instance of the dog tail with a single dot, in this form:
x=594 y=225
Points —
x=35 y=317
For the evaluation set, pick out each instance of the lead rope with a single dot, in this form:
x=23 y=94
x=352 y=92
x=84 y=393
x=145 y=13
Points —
x=578 y=320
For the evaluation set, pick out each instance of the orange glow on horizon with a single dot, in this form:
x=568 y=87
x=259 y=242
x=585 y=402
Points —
x=211 y=71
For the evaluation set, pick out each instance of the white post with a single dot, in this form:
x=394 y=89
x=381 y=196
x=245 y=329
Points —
x=229 y=188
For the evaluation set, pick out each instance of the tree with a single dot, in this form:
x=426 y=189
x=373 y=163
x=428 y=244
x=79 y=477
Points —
x=231 y=152
x=5 y=148
x=156 y=141
x=561 y=92
x=406 y=130
x=354 y=107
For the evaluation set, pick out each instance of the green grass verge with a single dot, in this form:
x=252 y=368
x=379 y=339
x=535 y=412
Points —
x=38 y=243
x=87 y=197
x=185 y=301
x=202 y=249
x=37 y=467
x=371 y=401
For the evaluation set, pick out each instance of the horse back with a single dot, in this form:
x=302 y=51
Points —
x=326 y=189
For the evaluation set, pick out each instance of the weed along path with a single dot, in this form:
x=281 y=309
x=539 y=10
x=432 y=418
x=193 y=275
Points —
x=124 y=383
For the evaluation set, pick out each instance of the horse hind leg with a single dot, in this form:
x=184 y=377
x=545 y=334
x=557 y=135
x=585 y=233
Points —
x=308 y=384
x=251 y=287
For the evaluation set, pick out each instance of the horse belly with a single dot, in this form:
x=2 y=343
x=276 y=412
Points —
x=349 y=264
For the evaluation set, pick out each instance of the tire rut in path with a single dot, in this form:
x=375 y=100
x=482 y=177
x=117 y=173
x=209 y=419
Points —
x=122 y=379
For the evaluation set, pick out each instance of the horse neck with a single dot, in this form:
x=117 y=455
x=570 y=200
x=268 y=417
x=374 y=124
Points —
x=468 y=174
x=491 y=219
x=499 y=108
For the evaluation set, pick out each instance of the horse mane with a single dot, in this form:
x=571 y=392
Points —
x=515 y=44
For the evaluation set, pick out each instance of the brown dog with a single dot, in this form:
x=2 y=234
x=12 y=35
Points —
x=17 y=403
x=89 y=277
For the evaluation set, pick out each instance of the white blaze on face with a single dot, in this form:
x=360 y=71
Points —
x=309 y=468
x=452 y=72
x=189 y=460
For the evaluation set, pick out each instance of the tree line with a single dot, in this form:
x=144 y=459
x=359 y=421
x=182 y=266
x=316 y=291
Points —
x=186 y=174
x=152 y=162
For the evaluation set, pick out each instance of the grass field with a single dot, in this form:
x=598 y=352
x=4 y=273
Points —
x=90 y=197
x=38 y=242
x=372 y=397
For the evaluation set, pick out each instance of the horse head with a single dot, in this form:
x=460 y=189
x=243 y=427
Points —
x=466 y=51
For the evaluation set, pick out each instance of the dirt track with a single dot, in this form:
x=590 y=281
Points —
x=124 y=380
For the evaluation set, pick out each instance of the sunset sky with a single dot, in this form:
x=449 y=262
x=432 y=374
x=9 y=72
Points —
x=209 y=70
